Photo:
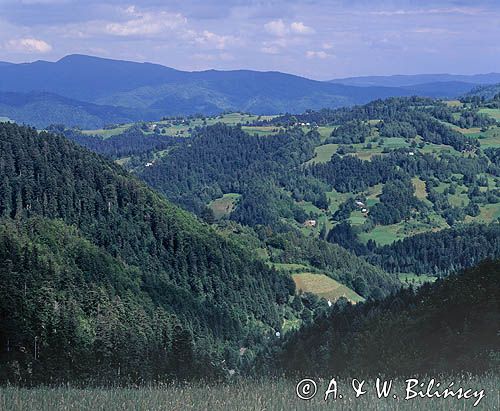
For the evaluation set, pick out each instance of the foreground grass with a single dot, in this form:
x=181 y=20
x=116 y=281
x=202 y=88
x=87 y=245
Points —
x=242 y=395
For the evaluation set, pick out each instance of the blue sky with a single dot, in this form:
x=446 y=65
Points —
x=315 y=38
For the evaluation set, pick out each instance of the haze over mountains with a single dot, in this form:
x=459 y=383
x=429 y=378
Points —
x=91 y=92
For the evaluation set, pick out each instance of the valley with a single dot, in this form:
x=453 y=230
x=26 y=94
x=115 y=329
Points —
x=444 y=156
x=249 y=205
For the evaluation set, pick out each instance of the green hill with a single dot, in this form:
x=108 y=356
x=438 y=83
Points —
x=98 y=267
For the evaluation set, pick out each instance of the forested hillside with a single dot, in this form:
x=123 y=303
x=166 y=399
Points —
x=445 y=327
x=100 y=268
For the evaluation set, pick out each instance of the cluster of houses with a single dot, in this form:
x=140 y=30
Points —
x=311 y=223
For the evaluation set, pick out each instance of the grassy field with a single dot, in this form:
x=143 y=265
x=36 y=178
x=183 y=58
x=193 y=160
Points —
x=324 y=131
x=383 y=234
x=249 y=395
x=325 y=287
x=106 y=133
x=223 y=206
x=323 y=154
x=454 y=103
x=488 y=213
x=489 y=138
x=419 y=185
x=492 y=112
x=387 y=234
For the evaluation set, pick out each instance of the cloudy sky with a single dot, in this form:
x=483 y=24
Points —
x=315 y=38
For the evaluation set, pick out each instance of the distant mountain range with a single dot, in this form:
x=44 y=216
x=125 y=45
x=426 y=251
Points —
x=416 y=79
x=90 y=91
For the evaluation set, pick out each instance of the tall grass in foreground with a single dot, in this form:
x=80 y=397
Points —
x=275 y=394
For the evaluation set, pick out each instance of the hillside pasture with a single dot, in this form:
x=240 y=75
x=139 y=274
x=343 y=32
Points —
x=223 y=206
x=492 y=112
x=323 y=153
x=324 y=287
x=108 y=132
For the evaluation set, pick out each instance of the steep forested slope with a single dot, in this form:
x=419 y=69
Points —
x=115 y=245
x=451 y=325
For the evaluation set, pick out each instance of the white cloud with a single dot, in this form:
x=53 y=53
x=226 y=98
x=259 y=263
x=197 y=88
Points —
x=276 y=27
x=270 y=49
x=28 y=45
x=310 y=54
x=300 y=28
x=213 y=57
x=209 y=39
x=280 y=28
x=433 y=30
x=170 y=28
x=145 y=23
x=468 y=11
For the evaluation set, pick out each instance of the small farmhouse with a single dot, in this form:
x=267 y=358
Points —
x=310 y=223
